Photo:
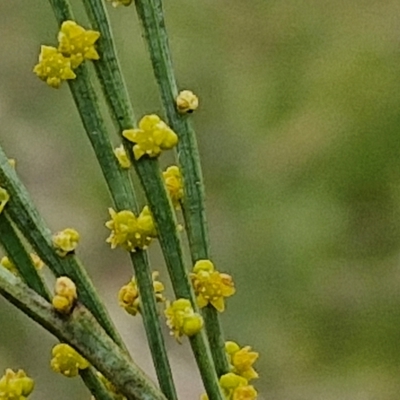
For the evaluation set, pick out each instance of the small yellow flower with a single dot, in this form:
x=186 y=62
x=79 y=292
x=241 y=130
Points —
x=130 y=232
x=211 y=286
x=181 y=318
x=236 y=387
x=173 y=182
x=15 y=385
x=186 y=102
x=67 y=361
x=246 y=392
x=129 y=298
x=242 y=360
x=65 y=241
x=65 y=295
x=4 y=197
x=122 y=157
x=37 y=261
x=117 y=3
x=77 y=43
x=152 y=136
x=53 y=67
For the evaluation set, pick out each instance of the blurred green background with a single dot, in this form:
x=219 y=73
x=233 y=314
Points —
x=299 y=132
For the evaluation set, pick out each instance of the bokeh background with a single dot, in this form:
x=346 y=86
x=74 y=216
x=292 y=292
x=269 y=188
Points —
x=299 y=132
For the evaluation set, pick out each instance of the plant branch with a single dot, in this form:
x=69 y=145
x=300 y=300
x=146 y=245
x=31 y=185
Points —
x=81 y=331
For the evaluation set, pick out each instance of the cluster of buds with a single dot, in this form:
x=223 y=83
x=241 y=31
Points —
x=152 y=136
x=8 y=264
x=211 y=286
x=67 y=361
x=15 y=385
x=65 y=241
x=76 y=44
x=174 y=184
x=182 y=319
x=129 y=298
x=131 y=232
x=65 y=295
x=241 y=360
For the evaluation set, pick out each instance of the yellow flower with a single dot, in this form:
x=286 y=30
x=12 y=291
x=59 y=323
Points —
x=173 y=182
x=186 y=102
x=236 y=387
x=4 y=197
x=65 y=241
x=65 y=295
x=152 y=136
x=211 y=286
x=53 y=67
x=15 y=385
x=246 y=392
x=36 y=260
x=129 y=298
x=129 y=232
x=122 y=157
x=67 y=361
x=242 y=360
x=181 y=318
x=117 y=3
x=77 y=43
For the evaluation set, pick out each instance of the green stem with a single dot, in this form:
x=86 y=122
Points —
x=152 y=18
x=20 y=257
x=81 y=331
x=117 y=180
x=25 y=216
x=94 y=384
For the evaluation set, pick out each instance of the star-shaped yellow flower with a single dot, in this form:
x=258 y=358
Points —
x=53 y=67
x=77 y=43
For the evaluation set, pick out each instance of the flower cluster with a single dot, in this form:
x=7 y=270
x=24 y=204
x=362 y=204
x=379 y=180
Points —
x=15 y=385
x=65 y=295
x=8 y=264
x=131 y=232
x=122 y=157
x=65 y=241
x=187 y=102
x=241 y=360
x=76 y=44
x=67 y=361
x=182 y=319
x=211 y=286
x=173 y=181
x=152 y=136
x=4 y=197
x=129 y=298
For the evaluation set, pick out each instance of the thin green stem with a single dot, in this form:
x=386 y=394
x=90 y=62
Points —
x=117 y=179
x=152 y=18
x=94 y=384
x=20 y=257
x=25 y=216
x=81 y=331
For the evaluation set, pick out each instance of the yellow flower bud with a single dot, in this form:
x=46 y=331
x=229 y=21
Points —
x=65 y=295
x=6 y=263
x=66 y=241
x=53 y=67
x=181 y=318
x=187 y=102
x=67 y=361
x=77 y=43
x=4 y=197
x=173 y=181
x=211 y=286
x=152 y=136
x=231 y=381
x=122 y=157
x=15 y=385
x=129 y=232
x=231 y=347
x=246 y=392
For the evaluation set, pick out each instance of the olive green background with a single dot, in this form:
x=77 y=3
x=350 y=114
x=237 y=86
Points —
x=299 y=133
